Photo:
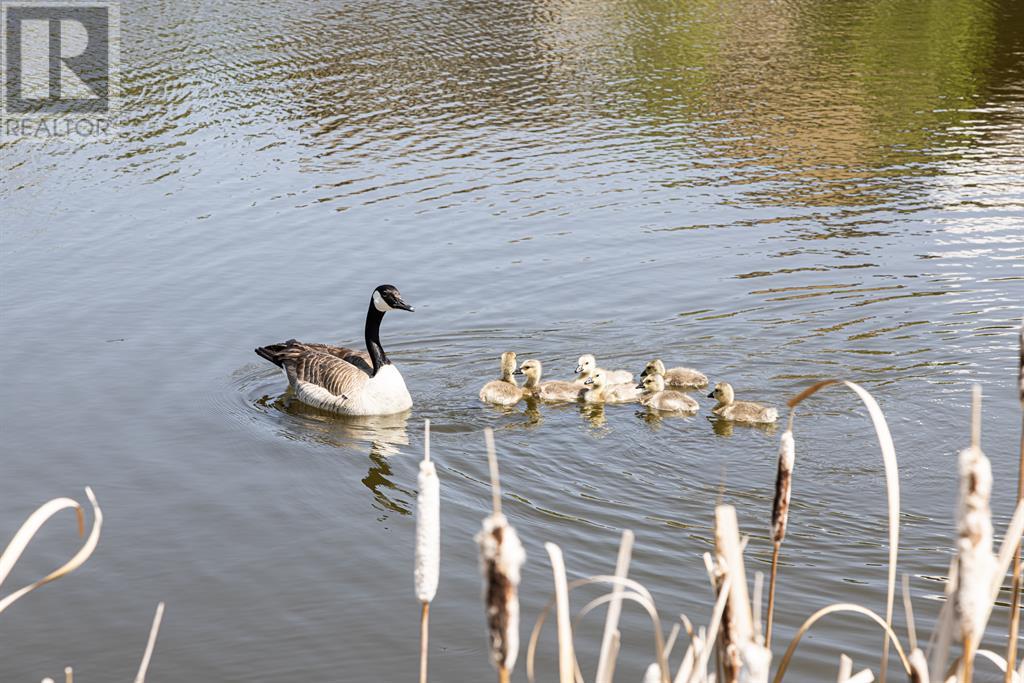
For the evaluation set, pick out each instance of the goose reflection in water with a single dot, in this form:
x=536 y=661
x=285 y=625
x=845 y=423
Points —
x=531 y=414
x=725 y=427
x=385 y=434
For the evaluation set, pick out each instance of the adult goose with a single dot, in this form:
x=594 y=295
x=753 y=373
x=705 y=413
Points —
x=343 y=380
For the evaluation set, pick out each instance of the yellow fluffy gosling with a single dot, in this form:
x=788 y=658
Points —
x=588 y=366
x=546 y=391
x=601 y=392
x=740 y=411
x=656 y=397
x=504 y=391
x=676 y=377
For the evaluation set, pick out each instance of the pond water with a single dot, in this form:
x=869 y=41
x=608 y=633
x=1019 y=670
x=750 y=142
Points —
x=771 y=192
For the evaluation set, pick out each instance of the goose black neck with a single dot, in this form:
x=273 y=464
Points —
x=372 y=332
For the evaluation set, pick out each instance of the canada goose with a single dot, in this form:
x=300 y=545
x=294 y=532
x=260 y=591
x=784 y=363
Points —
x=676 y=377
x=344 y=380
x=588 y=366
x=740 y=411
x=601 y=392
x=655 y=396
x=547 y=391
x=505 y=391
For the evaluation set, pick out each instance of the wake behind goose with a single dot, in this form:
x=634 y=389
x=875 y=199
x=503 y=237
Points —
x=343 y=380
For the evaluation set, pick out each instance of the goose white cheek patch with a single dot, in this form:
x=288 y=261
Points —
x=380 y=304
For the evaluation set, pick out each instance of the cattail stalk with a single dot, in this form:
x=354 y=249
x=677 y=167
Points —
x=501 y=559
x=918 y=667
x=1011 y=648
x=780 y=515
x=976 y=562
x=427 y=568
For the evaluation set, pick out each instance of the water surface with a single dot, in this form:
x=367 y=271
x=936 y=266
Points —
x=773 y=193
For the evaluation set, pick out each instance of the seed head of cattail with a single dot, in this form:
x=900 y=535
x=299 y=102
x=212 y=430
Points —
x=501 y=557
x=976 y=563
x=783 y=486
x=428 y=532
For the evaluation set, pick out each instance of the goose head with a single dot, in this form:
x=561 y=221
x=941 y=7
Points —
x=723 y=392
x=655 y=367
x=597 y=380
x=652 y=384
x=388 y=298
x=586 y=364
x=533 y=369
x=508 y=365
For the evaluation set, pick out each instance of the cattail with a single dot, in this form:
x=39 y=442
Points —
x=745 y=659
x=976 y=562
x=501 y=558
x=1011 y=648
x=428 y=544
x=780 y=514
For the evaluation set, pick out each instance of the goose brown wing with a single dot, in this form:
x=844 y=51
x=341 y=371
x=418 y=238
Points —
x=360 y=359
x=313 y=363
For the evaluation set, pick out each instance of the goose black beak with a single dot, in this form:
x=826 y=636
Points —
x=711 y=395
x=401 y=305
x=640 y=385
x=579 y=368
x=517 y=371
x=589 y=381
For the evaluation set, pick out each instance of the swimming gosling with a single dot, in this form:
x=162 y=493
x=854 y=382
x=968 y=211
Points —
x=601 y=392
x=740 y=411
x=588 y=366
x=505 y=391
x=676 y=377
x=657 y=398
x=546 y=391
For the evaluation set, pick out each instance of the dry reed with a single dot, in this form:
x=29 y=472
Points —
x=428 y=544
x=29 y=529
x=501 y=558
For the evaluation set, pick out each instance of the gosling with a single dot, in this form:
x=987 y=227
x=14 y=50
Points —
x=676 y=377
x=740 y=411
x=505 y=391
x=588 y=366
x=657 y=398
x=546 y=391
x=601 y=392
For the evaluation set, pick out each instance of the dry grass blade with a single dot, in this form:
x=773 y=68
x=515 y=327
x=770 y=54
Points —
x=999 y=662
x=606 y=660
x=566 y=657
x=738 y=626
x=31 y=527
x=831 y=609
x=140 y=677
x=709 y=639
x=636 y=593
x=892 y=485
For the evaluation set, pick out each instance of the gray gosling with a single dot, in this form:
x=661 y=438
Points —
x=546 y=391
x=505 y=391
x=657 y=398
x=601 y=392
x=740 y=411
x=588 y=366
x=676 y=377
